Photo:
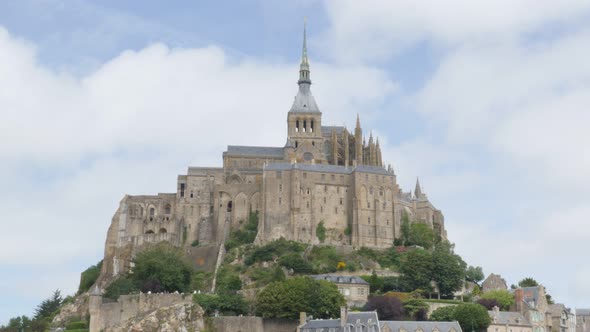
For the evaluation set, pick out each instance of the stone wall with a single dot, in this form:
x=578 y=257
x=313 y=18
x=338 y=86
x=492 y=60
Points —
x=105 y=314
x=253 y=324
x=436 y=305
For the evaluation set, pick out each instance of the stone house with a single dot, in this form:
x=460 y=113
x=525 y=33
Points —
x=532 y=304
x=507 y=321
x=354 y=289
x=562 y=318
x=494 y=282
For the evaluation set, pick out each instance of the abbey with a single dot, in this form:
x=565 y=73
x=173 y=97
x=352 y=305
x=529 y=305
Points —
x=322 y=175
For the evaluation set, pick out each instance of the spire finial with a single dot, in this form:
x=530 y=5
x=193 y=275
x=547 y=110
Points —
x=418 y=189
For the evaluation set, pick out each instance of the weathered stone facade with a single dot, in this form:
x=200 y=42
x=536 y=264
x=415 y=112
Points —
x=322 y=175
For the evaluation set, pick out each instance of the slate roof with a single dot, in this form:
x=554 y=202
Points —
x=508 y=317
x=327 y=130
x=254 y=151
x=337 y=279
x=556 y=309
x=352 y=319
x=304 y=101
x=327 y=168
x=425 y=326
x=582 y=312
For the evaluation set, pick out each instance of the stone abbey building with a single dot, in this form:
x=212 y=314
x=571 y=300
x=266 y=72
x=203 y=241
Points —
x=323 y=174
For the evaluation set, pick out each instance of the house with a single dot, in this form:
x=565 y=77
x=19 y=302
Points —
x=354 y=289
x=493 y=282
x=532 y=304
x=369 y=322
x=563 y=319
x=508 y=321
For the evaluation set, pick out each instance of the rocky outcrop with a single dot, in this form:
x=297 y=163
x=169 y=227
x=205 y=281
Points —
x=179 y=317
x=77 y=310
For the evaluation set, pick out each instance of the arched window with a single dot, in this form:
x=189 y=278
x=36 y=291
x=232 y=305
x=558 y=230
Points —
x=304 y=125
x=296 y=126
x=168 y=208
x=296 y=144
x=163 y=231
x=311 y=126
x=229 y=206
x=149 y=231
x=152 y=212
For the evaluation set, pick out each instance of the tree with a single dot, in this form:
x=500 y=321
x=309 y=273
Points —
x=320 y=231
x=504 y=298
x=296 y=262
x=48 y=306
x=17 y=324
x=447 y=269
x=443 y=314
x=421 y=235
x=472 y=317
x=375 y=283
x=387 y=307
x=528 y=282
x=123 y=285
x=88 y=277
x=162 y=268
x=286 y=299
x=489 y=303
x=405 y=229
x=227 y=304
x=474 y=274
x=416 y=269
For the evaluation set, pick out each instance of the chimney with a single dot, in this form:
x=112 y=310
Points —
x=343 y=315
x=302 y=318
x=518 y=298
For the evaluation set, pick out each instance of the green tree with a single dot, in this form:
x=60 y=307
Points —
x=48 y=306
x=528 y=282
x=472 y=317
x=504 y=298
x=88 y=277
x=17 y=324
x=405 y=229
x=296 y=262
x=474 y=274
x=387 y=307
x=162 y=268
x=447 y=269
x=288 y=298
x=421 y=235
x=375 y=283
x=123 y=285
x=443 y=314
x=416 y=268
x=228 y=282
x=226 y=304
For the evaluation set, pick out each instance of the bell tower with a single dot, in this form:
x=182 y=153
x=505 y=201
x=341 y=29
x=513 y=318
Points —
x=304 y=120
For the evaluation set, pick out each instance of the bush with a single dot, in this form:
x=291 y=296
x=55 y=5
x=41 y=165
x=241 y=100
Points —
x=228 y=281
x=88 y=277
x=245 y=235
x=324 y=259
x=272 y=250
x=320 y=232
x=195 y=243
x=387 y=307
x=489 y=303
x=162 y=268
x=296 y=262
x=200 y=281
x=472 y=317
x=123 y=285
x=226 y=304
x=502 y=296
x=444 y=314
x=77 y=325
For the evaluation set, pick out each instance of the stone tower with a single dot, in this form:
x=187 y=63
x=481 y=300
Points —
x=305 y=119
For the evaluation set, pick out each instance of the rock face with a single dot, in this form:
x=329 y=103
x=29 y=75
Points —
x=179 y=317
x=72 y=311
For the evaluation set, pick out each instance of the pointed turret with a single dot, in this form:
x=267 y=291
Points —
x=304 y=101
x=418 y=189
x=358 y=142
x=372 y=153
x=378 y=154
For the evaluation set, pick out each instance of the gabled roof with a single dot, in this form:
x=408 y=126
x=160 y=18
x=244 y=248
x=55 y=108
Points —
x=508 y=318
x=353 y=319
x=327 y=130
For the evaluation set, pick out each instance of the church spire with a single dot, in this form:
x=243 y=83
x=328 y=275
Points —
x=418 y=189
x=304 y=66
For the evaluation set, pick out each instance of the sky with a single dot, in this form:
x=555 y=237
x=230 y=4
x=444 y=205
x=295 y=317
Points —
x=486 y=102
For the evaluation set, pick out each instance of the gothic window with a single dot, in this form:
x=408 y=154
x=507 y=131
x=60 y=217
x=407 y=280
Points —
x=296 y=144
x=211 y=209
x=141 y=211
x=152 y=212
x=311 y=126
x=325 y=189
x=182 y=189
x=381 y=191
x=229 y=206
x=280 y=201
x=167 y=209
x=297 y=126
x=163 y=231
x=304 y=125
x=149 y=231
x=191 y=194
x=313 y=143
x=280 y=188
x=308 y=191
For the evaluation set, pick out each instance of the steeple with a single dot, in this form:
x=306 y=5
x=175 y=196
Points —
x=418 y=190
x=304 y=66
x=304 y=101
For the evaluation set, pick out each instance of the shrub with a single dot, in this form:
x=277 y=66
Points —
x=195 y=243
x=77 y=325
x=272 y=250
x=347 y=231
x=162 y=268
x=472 y=317
x=443 y=314
x=227 y=304
x=324 y=259
x=245 y=235
x=320 y=232
x=502 y=296
x=296 y=262
x=123 y=285
x=489 y=303
x=416 y=309
x=88 y=277
x=387 y=307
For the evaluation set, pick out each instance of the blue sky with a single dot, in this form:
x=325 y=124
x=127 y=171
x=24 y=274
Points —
x=486 y=102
